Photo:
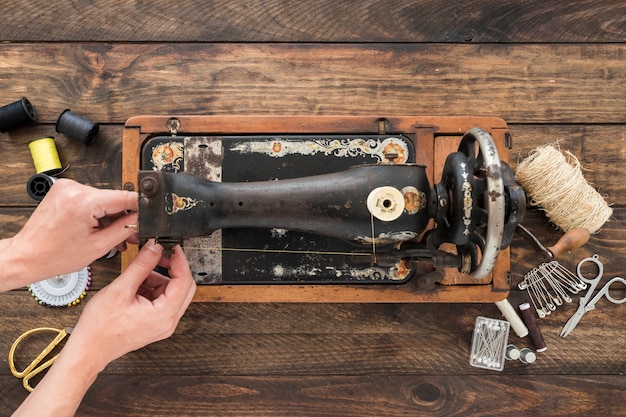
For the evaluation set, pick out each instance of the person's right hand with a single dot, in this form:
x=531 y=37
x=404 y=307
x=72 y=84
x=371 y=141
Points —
x=73 y=226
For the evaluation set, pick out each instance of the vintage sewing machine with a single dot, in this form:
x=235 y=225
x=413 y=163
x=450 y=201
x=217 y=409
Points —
x=329 y=209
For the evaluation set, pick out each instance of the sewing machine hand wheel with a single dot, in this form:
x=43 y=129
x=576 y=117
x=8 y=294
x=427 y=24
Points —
x=473 y=177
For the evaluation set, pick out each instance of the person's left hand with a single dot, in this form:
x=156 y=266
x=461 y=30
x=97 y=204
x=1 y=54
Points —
x=139 y=307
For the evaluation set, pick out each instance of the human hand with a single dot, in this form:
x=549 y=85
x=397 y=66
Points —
x=73 y=226
x=139 y=307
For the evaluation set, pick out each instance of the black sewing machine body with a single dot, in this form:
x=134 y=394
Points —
x=323 y=208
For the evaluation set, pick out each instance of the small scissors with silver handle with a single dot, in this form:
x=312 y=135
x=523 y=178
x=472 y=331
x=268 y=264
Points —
x=587 y=303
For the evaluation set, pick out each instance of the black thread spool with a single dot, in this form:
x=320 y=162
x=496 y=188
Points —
x=38 y=186
x=533 y=329
x=77 y=127
x=16 y=114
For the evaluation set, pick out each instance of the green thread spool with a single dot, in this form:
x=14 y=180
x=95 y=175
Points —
x=45 y=156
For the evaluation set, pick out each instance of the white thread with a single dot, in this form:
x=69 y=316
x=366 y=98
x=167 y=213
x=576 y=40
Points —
x=511 y=316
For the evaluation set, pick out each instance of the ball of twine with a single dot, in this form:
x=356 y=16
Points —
x=557 y=185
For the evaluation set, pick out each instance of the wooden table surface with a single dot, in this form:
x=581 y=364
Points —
x=553 y=72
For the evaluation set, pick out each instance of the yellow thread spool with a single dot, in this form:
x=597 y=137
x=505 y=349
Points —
x=45 y=156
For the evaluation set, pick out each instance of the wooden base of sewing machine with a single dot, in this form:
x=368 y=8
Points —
x=434 y=138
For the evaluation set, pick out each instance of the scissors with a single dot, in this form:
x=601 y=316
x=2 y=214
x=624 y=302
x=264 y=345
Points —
x=587 y=303
x=34 y=368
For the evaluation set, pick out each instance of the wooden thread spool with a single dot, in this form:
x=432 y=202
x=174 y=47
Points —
x=533 y=329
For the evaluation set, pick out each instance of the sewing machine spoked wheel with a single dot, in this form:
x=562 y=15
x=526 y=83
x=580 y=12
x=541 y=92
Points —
x=473 y=177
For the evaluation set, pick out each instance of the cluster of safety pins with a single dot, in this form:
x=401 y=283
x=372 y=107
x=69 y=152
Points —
x=67 y=289
x=546 y=288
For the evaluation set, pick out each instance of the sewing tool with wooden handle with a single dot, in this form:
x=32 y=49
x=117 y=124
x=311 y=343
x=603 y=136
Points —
x=547 y=283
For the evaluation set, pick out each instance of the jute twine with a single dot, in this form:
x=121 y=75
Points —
x=557 y=185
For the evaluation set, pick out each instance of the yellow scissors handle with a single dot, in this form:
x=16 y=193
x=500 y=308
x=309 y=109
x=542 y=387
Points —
x=32 y=369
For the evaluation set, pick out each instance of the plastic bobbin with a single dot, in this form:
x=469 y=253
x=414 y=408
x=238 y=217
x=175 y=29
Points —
x=77 y=127
x=38 y=186
x=385 y=203
x=16 y=114
x=63 y=290
x=527 y=356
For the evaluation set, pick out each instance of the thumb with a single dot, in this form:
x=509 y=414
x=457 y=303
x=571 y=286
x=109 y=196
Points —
x=141 y=267
x=117 y=231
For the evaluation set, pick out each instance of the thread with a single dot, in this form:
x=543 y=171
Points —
x=45 y=156
x=16 y=113
x=533 y=329
x=527 y=356
x=512 y=353
x=511 y=316
x=77 y=127
x=557 y=185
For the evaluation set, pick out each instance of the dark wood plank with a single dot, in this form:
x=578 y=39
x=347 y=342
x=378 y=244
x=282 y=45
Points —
x=386 y=395
x=316 y=21
x=111 y=82
x=341 y=339
x=98 y=165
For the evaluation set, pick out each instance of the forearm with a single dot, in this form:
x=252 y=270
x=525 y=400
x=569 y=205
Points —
x=61 y=391
x=14 y=270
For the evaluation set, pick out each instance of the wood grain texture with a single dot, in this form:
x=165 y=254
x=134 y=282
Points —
x=316 y=21
x=554 y=83
x=553 y=70
x=600 y=149
x=260 y=339
x=348 y=396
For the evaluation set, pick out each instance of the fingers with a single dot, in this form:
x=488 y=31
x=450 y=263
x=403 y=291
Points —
x=116 y=234
x=181 y=288
x=153 y=287
x=110 y=202
x=140 y=268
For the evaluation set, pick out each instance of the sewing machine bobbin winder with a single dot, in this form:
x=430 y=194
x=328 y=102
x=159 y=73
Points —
x=329 y=208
